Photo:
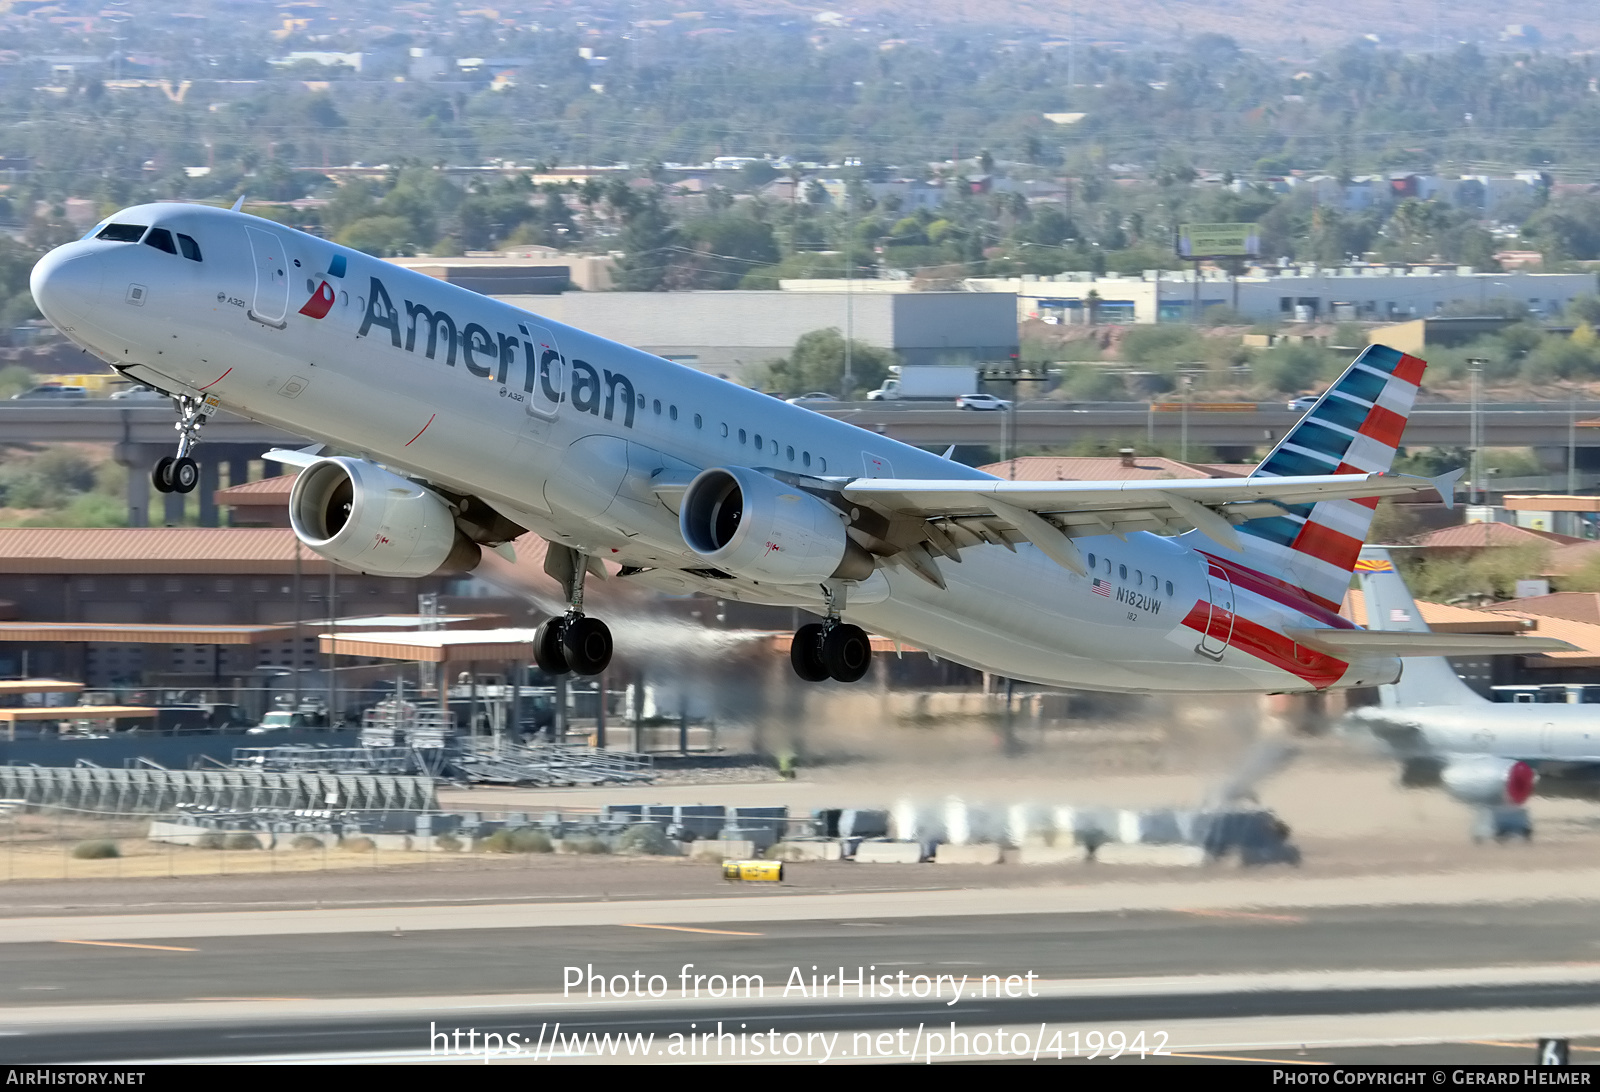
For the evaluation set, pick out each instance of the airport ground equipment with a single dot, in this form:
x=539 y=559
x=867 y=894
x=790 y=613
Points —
x=150 y=788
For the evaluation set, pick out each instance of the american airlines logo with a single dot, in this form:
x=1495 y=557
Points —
x=492 y=355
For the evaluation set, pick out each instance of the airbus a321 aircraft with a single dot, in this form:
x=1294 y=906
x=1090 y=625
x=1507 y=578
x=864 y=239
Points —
x=1445 y=733
x=470 y=422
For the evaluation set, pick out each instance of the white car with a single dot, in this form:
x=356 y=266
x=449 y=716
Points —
x=140 y=394
x=981 y=402
x=1305 y=402
x=814 y=396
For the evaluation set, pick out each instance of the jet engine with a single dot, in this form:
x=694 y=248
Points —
x=365 y=518
x=1484 y=779
x=754 y=526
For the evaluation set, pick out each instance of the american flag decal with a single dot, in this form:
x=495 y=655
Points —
x=1102 y=587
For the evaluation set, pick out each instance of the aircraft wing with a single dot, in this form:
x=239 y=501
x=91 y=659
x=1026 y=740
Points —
x=1387 y=643
x=946 y=516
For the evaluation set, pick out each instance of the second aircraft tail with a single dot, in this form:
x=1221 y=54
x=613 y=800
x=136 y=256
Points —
x=1426 y=680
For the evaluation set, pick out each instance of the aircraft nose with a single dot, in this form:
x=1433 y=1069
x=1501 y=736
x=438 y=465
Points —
x=66 y=286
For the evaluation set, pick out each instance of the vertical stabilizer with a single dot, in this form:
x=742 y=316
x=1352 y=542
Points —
x=1354 y=428
x=1428 y=680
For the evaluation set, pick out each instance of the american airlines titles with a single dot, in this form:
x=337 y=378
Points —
x=491 y=356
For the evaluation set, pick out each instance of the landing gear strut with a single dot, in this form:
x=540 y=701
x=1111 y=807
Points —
x=179 y=473
x=831 y=649
x=574 y=642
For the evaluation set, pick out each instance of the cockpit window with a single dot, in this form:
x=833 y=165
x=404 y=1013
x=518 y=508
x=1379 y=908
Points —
x=190 y=248
x=121 y=233
x=161 y=239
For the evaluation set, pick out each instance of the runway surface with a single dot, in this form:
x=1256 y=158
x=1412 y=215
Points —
x=1210 y=981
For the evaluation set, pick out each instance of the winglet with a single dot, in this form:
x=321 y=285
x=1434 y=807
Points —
x=1446 y=485
x=237 y=205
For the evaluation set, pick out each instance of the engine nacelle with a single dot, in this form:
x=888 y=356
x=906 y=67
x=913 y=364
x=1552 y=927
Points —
x=365 y=518
x=754 y=526
x=1484 y=779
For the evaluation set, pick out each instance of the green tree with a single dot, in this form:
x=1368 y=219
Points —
x=817 y=364
x=650 y=245
x=380 y=236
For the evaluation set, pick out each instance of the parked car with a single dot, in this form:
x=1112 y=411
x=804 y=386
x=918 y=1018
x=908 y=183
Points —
x=280 y=720
x=814 y=396
x=140 y=394
x=1305 y=402
x=59 y=392
x=981 y=402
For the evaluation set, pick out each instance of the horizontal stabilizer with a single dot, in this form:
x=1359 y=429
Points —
x=1389 y=643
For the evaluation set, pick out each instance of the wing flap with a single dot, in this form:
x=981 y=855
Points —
x=1393 y=643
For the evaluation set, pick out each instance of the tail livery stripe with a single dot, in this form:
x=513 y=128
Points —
x=1315 y=668
x=1355 y=428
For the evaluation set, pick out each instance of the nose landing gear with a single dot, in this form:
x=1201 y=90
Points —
x=179 y=473
x=574 y=642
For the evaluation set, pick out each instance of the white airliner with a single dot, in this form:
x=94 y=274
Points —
x=470 y=422
x=1445 y=733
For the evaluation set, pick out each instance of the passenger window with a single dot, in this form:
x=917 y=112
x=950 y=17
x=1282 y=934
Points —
x=1122 y=572
x=161 y=239
x=823 y=469
x=1138 y=577
x=121 y=233
x=1091 y=562
x=759 y=444
x=1169 y=587
x=724 y=430
x=658 y=407
x=641 y=403
x=672 y=412
x=741 y=436
x=1107 y=560
x=697 y=420
x=805 y=457
x=790 y=454
x=774 y=447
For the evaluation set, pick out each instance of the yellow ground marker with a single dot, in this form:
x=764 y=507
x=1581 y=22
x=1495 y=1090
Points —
x=117 y=944
x=687 y=929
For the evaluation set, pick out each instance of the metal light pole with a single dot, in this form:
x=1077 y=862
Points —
x=1476 y=432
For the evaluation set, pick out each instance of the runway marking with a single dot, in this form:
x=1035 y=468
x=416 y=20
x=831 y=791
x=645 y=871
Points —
x=1519 y=1046
x=1240 y=1058
x=119 y=944
x=250 y=999
x=1287 y=919
x=687 y=929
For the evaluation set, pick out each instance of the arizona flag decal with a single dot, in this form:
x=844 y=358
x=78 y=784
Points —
x=320 y=303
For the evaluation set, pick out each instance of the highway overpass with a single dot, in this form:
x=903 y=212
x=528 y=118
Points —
x=144 y=433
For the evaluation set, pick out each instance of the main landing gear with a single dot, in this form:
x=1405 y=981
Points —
x=831 y=649
x=574 y=642
x=179 y=473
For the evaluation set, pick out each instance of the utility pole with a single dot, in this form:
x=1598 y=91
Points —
x=848 y=383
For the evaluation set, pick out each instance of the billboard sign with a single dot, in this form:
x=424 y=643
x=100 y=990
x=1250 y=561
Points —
x=1196 y=241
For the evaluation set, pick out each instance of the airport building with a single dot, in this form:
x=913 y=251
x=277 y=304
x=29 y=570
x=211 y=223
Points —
x=726 y=332
x=1302 y=293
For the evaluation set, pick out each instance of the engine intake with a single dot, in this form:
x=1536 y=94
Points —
x=754 y=526
x=1484 y=779
x=365 y=518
